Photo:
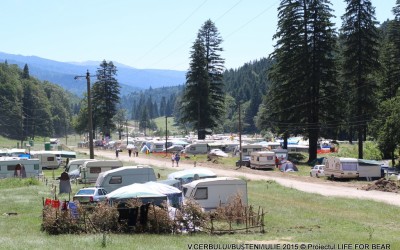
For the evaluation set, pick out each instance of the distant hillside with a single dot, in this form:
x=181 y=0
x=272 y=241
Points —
x=63 y=74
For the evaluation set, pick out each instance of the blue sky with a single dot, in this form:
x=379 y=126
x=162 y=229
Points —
x=144 y=34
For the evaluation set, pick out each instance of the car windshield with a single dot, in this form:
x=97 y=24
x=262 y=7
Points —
x=85 y=191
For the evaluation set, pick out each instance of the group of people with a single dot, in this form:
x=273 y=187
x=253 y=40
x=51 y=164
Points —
x=175 y=158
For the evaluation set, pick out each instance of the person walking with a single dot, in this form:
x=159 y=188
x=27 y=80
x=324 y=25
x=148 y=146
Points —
x=130 y=152
x=173 y=159
x=116 y=152
x=177 y=158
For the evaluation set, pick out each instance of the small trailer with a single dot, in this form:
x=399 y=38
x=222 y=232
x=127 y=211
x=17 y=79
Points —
x=27 y=168
x=91 y=169
x=211 y=193
x=124 y=176
x=341 y=168
x=262 y=160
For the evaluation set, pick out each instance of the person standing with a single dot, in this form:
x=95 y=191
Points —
x=173 y=159
x=130 y=152
x=116 y=152
x=177 y=158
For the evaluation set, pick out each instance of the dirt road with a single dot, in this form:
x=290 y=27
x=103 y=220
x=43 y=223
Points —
x=305 y=184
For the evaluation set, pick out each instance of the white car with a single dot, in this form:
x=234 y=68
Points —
x=317 y=171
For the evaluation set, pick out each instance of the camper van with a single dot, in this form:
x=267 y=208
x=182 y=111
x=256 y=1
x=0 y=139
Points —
x=123 y=176
x=48 y=159
x=32 y=167
x=262 y=160
x=213 y=192
x=91 y=169
x=341 y=168
x=197 y=148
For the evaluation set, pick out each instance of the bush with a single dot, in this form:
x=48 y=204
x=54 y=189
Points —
x=59 y=222
x=191 y=216
x=104 y=217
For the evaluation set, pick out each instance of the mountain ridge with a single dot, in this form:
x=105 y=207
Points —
x=63 y=73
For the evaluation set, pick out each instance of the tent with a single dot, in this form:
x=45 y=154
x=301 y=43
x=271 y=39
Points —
x=188 y=175
x=137 y=191
x=288 y=166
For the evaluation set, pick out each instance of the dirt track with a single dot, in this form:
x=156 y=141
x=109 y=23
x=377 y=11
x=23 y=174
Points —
x=305 y=184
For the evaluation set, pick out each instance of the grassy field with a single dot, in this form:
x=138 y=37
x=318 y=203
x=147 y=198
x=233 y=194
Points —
x=292 y=216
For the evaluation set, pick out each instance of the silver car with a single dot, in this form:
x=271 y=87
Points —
x=90 y=195
x=317 y=171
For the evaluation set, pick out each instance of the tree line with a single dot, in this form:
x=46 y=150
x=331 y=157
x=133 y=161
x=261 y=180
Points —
x=31 y=108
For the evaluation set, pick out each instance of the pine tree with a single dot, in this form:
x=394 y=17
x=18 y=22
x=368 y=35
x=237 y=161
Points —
x=360 y=62
x=25 y=73
x=106 y=98
x=202 y=103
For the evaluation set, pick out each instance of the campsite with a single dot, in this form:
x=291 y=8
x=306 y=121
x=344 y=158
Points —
x=291 y=215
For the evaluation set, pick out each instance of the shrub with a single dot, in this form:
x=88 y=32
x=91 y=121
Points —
x=159 y=220
x=191 y=216
x=104 y=217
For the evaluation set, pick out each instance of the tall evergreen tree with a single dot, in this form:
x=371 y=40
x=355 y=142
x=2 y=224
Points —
x=360 y=62
x=304 y=67
x=106 y=98
x=203 y=99
x=25 y=73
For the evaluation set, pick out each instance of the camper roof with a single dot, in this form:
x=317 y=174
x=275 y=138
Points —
x=217 y=180
x=123 y=169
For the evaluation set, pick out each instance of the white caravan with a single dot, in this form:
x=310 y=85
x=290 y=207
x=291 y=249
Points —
x=91 y=169
x=197 y=148
x=341 y=168
x=262 y=160
x=48 y=159
x=74 y=167
x=211 y=193
x=123 y=176
x=8 y=165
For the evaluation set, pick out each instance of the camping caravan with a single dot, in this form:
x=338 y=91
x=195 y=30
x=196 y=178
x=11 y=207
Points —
x=74 y=167
x=247 y=149
x=157 y=146
x=262 y=160
x=341 y=168
x=48 y=159
x=213 y=192
x=28 y=168
x=113 y=179
x=197 y=148
x=91 y=169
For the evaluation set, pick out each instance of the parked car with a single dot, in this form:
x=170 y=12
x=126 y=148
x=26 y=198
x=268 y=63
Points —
x=245 y=161
x=317 y=171
x=90 y=195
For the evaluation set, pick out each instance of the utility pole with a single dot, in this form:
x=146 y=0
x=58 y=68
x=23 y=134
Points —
x=90 y=117
x=240 y=138
x=126 y=133
x=166 y=135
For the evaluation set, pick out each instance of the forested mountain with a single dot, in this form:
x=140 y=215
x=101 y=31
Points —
x=63 y=74
x=30 y=107
x=247 y=85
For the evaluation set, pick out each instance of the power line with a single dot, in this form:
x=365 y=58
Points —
x=170 y=33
